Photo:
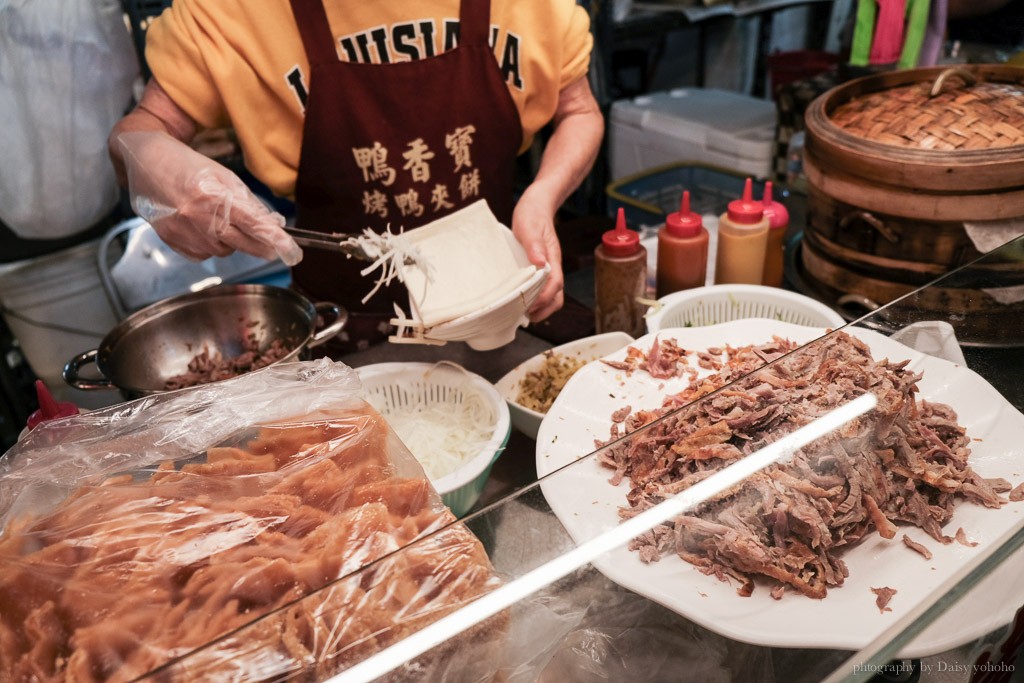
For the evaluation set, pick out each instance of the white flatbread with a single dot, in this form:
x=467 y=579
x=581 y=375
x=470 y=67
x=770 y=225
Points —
x=471 y=260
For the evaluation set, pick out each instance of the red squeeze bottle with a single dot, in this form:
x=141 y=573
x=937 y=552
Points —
x=49 y=409
x=682 y=250
x=620 y=280
x=778 y=222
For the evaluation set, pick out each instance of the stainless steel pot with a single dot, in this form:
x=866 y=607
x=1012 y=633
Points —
x=156 y=343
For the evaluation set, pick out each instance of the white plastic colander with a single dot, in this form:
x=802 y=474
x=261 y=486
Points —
x=715 y=304
x=391 y=386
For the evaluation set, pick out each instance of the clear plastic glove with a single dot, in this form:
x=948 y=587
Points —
x=196 y=205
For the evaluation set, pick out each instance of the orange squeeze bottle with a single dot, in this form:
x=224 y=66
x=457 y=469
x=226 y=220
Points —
x=682 y=250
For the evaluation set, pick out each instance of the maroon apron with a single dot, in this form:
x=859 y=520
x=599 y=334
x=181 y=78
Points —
x=396 y=145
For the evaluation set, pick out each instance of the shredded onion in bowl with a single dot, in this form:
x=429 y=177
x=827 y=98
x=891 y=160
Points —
x=442 y=435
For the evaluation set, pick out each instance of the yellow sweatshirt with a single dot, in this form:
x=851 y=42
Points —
x=240 y=63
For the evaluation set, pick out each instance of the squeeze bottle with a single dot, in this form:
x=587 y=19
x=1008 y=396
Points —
x=778 y=222
x=620 y=280
x=742 y=238
x=49 y=407
x=682 y=250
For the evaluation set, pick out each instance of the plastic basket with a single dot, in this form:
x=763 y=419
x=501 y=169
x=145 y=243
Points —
x=387 y=386
x=715 y=304
x=649 y=196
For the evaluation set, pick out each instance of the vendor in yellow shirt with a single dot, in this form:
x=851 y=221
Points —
x=367 y=114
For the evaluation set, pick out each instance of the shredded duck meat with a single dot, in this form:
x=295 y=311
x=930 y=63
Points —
x=882 y=597
x=207 y=366
x=906 y=462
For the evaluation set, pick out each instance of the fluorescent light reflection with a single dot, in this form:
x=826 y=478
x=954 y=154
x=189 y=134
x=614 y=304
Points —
x=516 y=590
x=204 y=283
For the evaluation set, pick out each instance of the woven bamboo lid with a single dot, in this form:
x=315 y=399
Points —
x=958 y=129
x=983 y=116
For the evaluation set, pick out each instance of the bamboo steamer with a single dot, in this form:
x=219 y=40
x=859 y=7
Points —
x=896 y=164
x=890 y=128
x=979 y=313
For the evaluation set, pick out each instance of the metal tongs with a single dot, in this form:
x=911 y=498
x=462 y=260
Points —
x=335 y=241
x=330 y=241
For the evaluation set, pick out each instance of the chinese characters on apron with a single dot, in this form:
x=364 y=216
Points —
x=396 y=145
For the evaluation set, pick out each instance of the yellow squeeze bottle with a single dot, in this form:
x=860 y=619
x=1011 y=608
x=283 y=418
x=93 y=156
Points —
x=742 y=240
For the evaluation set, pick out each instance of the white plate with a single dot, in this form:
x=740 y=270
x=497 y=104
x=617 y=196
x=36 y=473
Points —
x=587 y=349
x=847 y=618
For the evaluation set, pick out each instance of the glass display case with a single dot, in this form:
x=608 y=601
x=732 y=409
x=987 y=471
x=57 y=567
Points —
x=751 y=501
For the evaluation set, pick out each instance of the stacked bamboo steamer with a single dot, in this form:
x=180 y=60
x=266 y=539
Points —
x=896 y=164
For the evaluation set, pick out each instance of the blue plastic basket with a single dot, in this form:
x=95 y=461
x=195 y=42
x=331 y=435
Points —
x=649 y=196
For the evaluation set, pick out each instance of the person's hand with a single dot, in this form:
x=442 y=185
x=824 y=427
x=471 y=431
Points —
x=534 y=227
x=196 y=205
x=568 y=156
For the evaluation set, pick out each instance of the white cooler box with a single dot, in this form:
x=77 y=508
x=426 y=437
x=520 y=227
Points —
x=719 y=128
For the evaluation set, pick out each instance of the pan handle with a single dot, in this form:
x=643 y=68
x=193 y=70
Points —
x=73 y=379
x=326 y=311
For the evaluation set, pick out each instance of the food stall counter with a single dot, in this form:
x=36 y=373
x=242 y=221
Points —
x=751 y=501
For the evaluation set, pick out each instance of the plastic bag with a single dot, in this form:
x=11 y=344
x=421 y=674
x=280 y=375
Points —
x=66 y=77
x=198 y=206
x=238 y=530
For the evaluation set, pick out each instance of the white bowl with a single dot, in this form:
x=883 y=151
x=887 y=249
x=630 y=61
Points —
x=716 y=304
x=387 y=386
x=587 y=349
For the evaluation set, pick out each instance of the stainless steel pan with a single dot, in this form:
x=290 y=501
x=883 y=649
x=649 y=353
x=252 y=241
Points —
x=156 y=343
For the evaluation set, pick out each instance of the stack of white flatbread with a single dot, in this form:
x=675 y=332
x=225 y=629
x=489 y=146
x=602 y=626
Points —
x=465 y=262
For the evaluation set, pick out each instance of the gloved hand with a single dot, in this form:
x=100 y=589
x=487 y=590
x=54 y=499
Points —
x=196 y=205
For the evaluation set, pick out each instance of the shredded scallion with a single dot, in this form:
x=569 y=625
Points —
x=390 y=252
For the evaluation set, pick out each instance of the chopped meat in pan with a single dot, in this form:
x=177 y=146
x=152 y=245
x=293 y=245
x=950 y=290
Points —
x=207 y=367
